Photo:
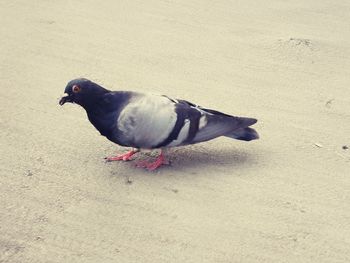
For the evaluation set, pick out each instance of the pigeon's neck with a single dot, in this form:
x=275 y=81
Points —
x=95 y=105
x=103 y=120
x=95 y=102
x=104 y=112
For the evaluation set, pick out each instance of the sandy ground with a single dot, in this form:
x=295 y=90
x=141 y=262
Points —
x=283 y=198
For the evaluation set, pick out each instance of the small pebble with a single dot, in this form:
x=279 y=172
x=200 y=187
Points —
x=128 y=181
x=345 y=147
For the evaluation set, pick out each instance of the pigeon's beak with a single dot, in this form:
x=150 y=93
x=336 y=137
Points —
x=65 y=98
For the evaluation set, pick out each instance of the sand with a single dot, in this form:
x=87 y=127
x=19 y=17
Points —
x=283 y=198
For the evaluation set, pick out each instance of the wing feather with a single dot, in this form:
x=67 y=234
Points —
x=147 y=120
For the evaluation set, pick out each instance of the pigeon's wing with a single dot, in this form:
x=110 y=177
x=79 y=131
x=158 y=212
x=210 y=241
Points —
x=210 y=124
x=217 y=125
x=146 y=121
x=150 y=121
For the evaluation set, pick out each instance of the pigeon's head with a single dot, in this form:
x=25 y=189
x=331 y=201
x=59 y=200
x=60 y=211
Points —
x=83 y=92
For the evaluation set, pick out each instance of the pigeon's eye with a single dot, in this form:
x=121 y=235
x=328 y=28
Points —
x=75 y=89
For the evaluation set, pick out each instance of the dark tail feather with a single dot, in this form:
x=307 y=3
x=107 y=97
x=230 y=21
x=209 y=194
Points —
x=244 y=134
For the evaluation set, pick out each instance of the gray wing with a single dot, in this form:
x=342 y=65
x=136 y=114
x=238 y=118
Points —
x=146 y=121
x=217 y=126
x=209 y=124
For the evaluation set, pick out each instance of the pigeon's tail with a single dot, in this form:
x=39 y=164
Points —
x=244 y=134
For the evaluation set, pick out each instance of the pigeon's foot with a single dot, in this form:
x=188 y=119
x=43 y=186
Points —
x=151 y=166
x=122 y=157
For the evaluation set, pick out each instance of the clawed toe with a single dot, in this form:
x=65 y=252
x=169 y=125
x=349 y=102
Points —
x=122 y=157
x=151 y=166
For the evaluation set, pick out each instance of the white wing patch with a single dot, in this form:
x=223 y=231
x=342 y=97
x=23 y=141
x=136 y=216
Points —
x=203 y=112
x=147 y=120
x=202 y=122
x=183 y=134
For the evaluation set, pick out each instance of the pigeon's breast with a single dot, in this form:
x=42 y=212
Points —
x=104 y=123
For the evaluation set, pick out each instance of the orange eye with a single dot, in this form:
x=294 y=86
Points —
x=75 y=89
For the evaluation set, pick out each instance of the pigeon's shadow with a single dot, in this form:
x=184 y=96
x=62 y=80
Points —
x=208 y=157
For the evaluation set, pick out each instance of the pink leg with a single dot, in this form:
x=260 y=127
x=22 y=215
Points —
x=151 y=166
x=122 y=157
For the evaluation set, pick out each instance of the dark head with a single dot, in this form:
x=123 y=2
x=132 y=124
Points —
x=83 y=92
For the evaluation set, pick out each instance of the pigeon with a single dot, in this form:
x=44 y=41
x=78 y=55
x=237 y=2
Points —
x=148 y=121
